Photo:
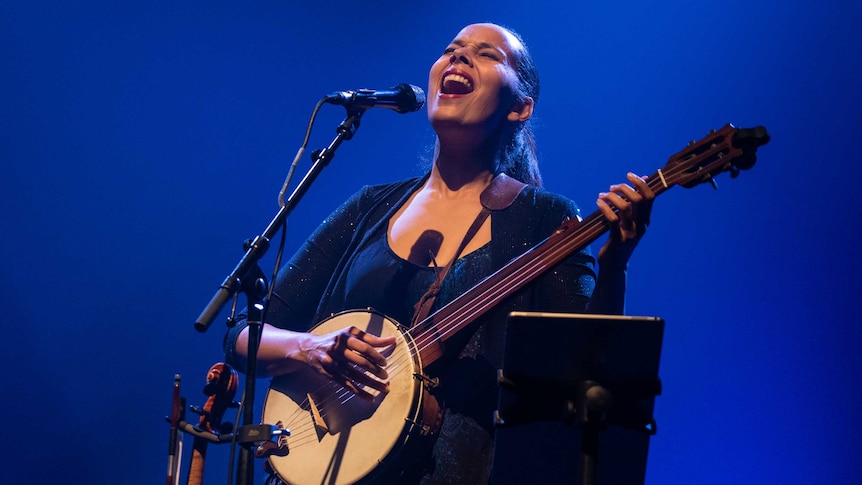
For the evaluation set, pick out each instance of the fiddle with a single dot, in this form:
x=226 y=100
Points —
x=221 y=385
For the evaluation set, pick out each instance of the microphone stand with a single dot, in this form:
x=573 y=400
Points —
x=248 y=278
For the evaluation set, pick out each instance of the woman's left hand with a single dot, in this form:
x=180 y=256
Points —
x=633 y=204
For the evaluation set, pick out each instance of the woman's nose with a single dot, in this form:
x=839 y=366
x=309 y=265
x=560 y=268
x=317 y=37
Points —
x=459 y=56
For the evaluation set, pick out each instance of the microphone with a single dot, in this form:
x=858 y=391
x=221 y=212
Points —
x=403 y=98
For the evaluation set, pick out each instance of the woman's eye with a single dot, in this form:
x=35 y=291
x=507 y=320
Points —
x=490 y=55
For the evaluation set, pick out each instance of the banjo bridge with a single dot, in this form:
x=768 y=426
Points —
x=319 y=424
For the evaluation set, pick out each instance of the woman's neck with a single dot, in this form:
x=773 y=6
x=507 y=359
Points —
x=460 y=165
x=458 y=180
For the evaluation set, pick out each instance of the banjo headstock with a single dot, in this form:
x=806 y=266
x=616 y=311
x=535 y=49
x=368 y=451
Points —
x=729 y=149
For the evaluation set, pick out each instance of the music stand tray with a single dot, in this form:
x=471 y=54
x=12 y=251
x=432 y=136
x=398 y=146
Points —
x=576 y=398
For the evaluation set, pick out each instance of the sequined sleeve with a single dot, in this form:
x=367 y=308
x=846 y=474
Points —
x=301 y=282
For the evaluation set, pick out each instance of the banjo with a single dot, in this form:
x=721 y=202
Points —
x=338 y=438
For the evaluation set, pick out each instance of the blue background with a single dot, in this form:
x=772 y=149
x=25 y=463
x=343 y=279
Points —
x=142 y=142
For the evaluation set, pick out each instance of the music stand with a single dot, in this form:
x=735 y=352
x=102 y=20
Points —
x=571 y=385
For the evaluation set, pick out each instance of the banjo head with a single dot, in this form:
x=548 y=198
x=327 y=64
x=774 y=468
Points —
x=335 y=436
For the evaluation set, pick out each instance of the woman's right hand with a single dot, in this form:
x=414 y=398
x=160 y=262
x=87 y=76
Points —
x=349 y=357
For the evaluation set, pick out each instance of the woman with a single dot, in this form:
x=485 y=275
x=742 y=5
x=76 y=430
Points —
x=384 y=247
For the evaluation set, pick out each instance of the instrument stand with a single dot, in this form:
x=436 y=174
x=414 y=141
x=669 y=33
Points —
x=248 y=278
x=594 y=403
x=592 y=390
x=255 y=292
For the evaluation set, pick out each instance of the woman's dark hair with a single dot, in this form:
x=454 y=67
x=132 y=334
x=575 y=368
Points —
x=518 y=156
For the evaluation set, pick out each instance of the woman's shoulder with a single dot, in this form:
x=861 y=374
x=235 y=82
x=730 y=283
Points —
x=539 y=199
x=534 y=214
x=373 y=193
x=382 y=189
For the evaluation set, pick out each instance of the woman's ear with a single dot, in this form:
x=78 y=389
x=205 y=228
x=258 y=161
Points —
x=522 y=111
